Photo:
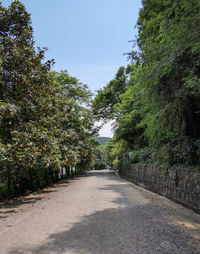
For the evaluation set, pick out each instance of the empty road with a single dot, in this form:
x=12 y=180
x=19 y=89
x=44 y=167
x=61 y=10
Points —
x=97 y=214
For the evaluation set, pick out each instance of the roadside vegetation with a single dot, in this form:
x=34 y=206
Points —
x=155 y=100
x=46 y=120
x=46 y=125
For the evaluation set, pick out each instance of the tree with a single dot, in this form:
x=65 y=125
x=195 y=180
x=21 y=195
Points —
x=23 y=79
x=169 y=43
x=43 y=124
x=157 y=115
x=99 y=162
x=77 y=121
x=103 y=104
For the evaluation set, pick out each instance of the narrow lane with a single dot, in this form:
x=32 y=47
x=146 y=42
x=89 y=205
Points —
x=100 y=214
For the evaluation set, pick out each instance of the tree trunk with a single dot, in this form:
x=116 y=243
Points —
x=62 y=174
x=67 y=171
x=9 y=182
x=56 y=176
x=46 y=177
x=31 y=179
x=37 y=177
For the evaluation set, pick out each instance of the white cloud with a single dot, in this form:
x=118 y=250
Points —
x=106 y=130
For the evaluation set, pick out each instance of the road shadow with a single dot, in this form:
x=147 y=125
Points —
x=13 y=206
x=125 y=228
x=4 y=214
x=17 y=204
x=110 y=232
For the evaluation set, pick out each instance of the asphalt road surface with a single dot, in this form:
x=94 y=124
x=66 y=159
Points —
x=97 y=214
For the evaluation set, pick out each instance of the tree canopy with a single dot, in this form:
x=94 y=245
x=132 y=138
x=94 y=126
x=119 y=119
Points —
x=45 y=121
x=157 y=111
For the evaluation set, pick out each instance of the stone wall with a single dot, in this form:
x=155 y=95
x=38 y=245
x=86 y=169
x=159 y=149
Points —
x=179 y=184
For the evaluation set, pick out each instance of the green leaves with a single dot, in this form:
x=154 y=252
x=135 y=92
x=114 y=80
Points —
x=159 y=109
x=103 y=104
x=45 y=120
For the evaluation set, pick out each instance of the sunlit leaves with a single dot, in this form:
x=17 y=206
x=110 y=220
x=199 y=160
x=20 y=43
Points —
x=159 y=111
x=45 y=120
x=103 y=104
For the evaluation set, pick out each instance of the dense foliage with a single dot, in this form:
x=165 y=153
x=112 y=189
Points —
x=45 y=121
x=157 y=104
x=46 y=125
x=99 y=159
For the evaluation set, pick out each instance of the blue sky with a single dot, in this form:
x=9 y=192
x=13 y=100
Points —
x=85 y=37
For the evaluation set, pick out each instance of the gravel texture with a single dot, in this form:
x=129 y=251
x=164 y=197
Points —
x=97 y=214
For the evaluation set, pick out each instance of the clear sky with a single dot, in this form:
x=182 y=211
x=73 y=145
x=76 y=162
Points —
x=85 y=37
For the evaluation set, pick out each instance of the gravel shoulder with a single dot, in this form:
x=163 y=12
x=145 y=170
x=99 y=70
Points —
x=98 y=214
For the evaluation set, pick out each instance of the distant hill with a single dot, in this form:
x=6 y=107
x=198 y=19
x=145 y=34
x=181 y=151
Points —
x=102 y=140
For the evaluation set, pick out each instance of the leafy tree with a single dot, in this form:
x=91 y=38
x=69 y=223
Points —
x=99 y=162
x=77 y=121
x=43 y=123
x=157 y=115
x=76 y=91
x=169 y=42
x=103 y=104
x=25 y=87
